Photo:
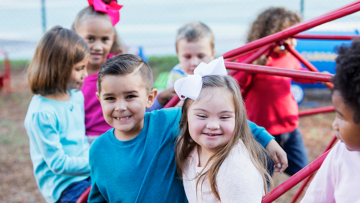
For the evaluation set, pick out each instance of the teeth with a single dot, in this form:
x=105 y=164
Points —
x=123 y=118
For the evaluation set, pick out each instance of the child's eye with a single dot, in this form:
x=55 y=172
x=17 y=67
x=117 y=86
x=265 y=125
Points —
x=105 y=39
x=201 y=116
x=130 y=96
x=91 y=39
x=109 y=98
x=200 y=56
x=224 y=117
x=187 y=57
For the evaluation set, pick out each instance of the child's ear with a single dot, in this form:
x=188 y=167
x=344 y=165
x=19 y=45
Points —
x=151 y=98
x=213 y=53
x=98 y=95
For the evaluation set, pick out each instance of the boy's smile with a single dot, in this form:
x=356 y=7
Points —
x=123 y=100
x=346 y=129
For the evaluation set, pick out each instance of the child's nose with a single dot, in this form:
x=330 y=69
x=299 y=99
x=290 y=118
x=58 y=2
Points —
x=97 y=46
x=335 y=125
x=121 y=106
x=212 y=125
x=195 y=61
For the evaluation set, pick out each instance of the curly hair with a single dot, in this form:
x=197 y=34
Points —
x=347 y=77
x=272 y=20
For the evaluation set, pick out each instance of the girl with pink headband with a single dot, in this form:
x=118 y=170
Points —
x=95 y=24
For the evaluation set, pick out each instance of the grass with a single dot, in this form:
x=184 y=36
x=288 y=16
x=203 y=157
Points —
x=161 y=64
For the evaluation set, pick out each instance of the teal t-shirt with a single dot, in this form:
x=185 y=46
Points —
x=143 y=169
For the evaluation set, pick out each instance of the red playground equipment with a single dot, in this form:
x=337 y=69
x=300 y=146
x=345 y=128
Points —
x=261 y=46
x=5 y=79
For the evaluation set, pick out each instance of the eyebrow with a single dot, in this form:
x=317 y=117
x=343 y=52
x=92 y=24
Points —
x=338 y=112
x=225 y=111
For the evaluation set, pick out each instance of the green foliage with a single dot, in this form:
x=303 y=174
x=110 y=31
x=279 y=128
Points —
x=16 y=64
x=161 y=64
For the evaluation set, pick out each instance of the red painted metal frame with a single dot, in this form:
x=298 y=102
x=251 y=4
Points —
x=84 y=196
x=308 y=179
x=304 y=61
x=301 y=74
x=295 y=29
x=309 y=112
x=326 y=37
x=295 y=179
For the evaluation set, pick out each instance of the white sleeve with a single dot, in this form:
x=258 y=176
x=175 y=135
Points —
x=238 y=179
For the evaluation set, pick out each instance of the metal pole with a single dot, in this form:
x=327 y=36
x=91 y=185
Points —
x=293 y=30
x=301 y=74
x=43 y=15
x=327 y=37
x=295 y=179
x=302 y=8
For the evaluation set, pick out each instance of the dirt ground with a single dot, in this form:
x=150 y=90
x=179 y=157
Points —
x=17 y=183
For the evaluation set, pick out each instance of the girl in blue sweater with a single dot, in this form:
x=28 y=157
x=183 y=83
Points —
x=55 y=118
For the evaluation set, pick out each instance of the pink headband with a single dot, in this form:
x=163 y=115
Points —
x=112 y=9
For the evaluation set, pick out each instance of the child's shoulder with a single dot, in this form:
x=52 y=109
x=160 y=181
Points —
x=101 y=141
x=164 y=114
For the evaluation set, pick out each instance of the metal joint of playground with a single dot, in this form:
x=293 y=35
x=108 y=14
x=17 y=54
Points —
x=263 y=46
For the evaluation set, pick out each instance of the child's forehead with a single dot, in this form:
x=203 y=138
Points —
x=122 y=83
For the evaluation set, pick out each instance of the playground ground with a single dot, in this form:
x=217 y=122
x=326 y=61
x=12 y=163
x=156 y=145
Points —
x=17 y=183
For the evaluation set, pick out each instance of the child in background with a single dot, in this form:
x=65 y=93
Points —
x=268 y=99
x=141 y=146
x=97 y=28
x=54 y=121
x=219 y=159
x=338 y=177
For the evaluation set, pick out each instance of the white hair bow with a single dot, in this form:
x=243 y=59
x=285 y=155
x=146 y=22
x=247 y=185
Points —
x=190 y=86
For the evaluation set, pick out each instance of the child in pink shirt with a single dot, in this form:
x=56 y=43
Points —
x=338 y=179
x=97 y=28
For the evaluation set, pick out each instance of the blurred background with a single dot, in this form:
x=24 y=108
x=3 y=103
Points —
x=153 y=24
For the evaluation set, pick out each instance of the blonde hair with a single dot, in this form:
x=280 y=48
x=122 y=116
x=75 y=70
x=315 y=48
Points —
x=194 y=31
x=117 y=47
x=56 y=54
x=185 y=144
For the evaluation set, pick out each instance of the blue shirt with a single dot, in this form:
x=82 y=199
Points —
x=59 y=149
x=143 y=169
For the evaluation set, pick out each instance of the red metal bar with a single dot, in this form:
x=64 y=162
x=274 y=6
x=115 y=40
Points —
x=173 y=101
x=259 y=53
x=295 y=179
x=305 y=62
x=294 y=30
x=328 y=37
x=322 y=77
x=308 y=179
x=84 y=196
x=309 y=112
x=240 y=55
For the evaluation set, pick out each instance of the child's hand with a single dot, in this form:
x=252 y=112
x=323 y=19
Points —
x=278 y=155
x=166 y=95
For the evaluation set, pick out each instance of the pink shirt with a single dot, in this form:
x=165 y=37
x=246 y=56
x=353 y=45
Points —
x=94 y=120
x=237 y=180
x=338 y=179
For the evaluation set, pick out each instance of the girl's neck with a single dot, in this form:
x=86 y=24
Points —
x=204 y=156
x=58 y=96
x=93 y=69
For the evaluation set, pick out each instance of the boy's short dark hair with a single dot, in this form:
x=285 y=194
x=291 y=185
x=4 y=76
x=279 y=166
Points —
x=126 y=64
x=194 y=31
x=347 y=77
x=56 y=54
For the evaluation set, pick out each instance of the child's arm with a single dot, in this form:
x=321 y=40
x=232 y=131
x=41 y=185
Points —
x=276 y=153
x=95 y=195
x=47 y=140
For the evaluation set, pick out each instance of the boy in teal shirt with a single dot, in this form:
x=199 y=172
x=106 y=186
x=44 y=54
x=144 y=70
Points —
x=135 y=161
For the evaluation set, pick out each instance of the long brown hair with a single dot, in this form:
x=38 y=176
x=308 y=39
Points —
x=55 y=55
x=117 y=47
x=271 y=21
x=185 y=144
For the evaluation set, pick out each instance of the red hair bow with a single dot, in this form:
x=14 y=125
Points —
x=112 y=9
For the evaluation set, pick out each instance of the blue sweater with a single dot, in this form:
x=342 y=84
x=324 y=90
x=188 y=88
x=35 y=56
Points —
x=59 y=149
x=142 y=169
